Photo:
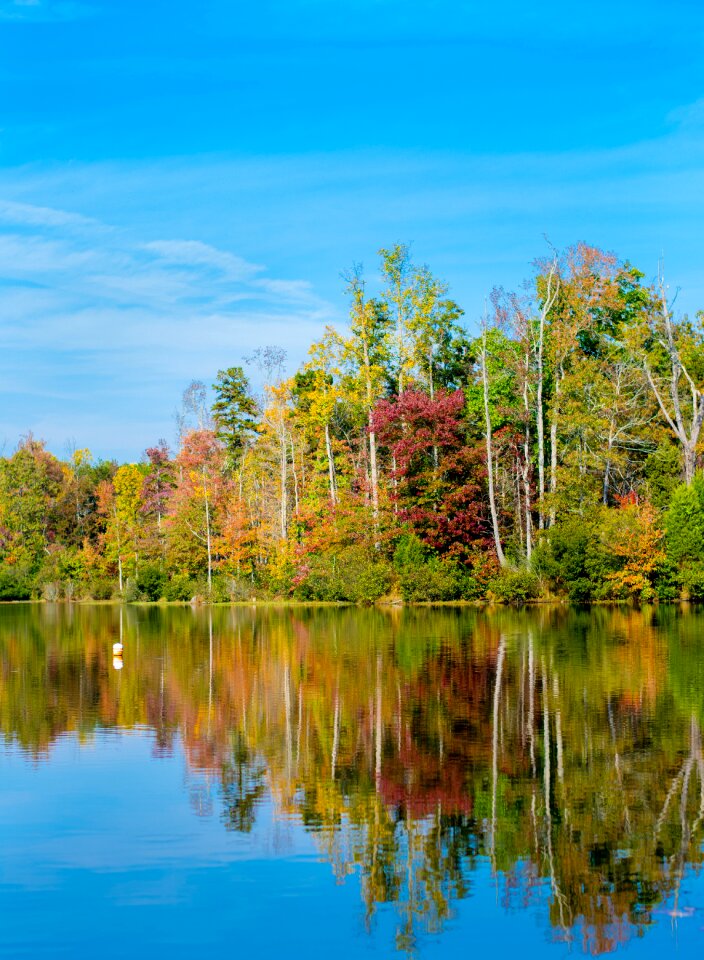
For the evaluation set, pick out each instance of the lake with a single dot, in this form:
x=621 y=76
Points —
x=288 y=782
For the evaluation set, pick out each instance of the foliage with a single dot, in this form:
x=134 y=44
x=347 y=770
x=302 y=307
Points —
x=352 y=576
x=684 y=537
x=234 y=411
x=633 y=537
x=151 y=581
x=662 y=472
x=514 y=586
x=15 y=584
x=422 y=575
x=370 y=470
x=572 y=558
x=180 y=587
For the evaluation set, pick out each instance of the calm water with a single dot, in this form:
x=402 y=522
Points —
x=288 y=783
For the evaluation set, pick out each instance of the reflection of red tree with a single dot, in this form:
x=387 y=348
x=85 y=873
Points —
x=428 y=788
x=428 y=771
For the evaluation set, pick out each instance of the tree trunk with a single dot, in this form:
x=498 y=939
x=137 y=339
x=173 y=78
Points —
x=331 y=465
x=553 y=466
x=294 y=477
x=551 y=292
x=519 y=503
x=489 y=458
x=431 y=386
x=373 y=467
x=690 y=461
x=119 y=548
x=374 y=471
x=553 y=445
x=208 y=539
x=540 y=419
x=526 y=471
x=283 y=513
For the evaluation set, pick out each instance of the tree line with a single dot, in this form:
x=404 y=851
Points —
x=551 y=452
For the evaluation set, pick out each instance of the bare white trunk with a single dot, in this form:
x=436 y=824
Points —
x=489 y=457
x=526 y=474
x=685 y=429
x=551 y=292
x=554 y=420
x=331 y=465
x=553 y=465
x=295 y=477
x=283 y=519
x=540 y=422
x=119 y=548
x=208 y=536
x=374 y=472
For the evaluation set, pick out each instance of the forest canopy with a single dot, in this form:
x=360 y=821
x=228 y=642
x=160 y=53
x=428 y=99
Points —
x=554 y=452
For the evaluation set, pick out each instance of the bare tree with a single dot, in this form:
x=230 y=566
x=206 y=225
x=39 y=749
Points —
x=489 y=452
x=552 y=287
x=679 y=398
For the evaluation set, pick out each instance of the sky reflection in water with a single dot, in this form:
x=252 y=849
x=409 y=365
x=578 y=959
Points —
x=290 y=782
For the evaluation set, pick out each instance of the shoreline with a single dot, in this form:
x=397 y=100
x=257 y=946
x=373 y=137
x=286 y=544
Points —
x=346 y=604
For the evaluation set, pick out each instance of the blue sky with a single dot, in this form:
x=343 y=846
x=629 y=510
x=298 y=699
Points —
x=181 y=183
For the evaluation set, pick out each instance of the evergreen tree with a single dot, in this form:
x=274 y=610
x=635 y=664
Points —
x=235 y=411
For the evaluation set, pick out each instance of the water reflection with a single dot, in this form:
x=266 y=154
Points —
x=562 y=748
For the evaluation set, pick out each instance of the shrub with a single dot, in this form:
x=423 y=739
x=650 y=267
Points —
x=51 y=591
x=667 y=584
x=433 y=580
x=364 y=579
x=572 y=558
x=239 y=589
x=514 y=586
x=14 y=584
x=220 y=591
x=632 y=546
x=352 y=575
x=101 y=588
x=424 y=577
x=151 y=581
x=180 y=587
x=130 y=591
x=684 y=522
x=691 y=580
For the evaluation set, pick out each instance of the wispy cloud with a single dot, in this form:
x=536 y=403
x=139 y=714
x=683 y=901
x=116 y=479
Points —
x=195 y=255
x=94 y=317
x=27 y=214
x=119 y=282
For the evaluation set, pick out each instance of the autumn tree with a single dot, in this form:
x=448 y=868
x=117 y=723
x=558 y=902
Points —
x=443 y=505
x=192 y=517
x=30 y=482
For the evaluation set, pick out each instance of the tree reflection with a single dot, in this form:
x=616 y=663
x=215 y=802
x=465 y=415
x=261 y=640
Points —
x=560 y=750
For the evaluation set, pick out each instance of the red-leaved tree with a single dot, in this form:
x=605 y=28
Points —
x=437 y=476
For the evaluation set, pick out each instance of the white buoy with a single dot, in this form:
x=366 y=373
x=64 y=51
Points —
x=117 y=649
